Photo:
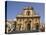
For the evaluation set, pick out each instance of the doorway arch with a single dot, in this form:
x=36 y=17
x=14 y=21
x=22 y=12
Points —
x=29 y=25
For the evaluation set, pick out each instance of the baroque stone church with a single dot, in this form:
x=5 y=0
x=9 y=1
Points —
x=28 y=20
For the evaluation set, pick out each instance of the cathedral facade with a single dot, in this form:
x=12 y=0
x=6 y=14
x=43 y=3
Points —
x=28 y=20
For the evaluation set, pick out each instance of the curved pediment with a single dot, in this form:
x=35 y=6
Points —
x=28 y=12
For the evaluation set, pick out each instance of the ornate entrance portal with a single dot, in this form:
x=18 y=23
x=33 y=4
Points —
x=29 y=26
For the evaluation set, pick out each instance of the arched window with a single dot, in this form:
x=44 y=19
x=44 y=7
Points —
x=37 y=26
x=28 y=13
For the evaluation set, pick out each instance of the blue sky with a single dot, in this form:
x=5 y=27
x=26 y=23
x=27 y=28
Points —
x=14 y=8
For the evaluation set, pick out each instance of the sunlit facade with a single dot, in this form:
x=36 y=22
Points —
x=28 y=20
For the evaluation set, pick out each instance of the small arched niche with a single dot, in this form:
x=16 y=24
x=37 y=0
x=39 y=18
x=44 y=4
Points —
x=28 y=13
